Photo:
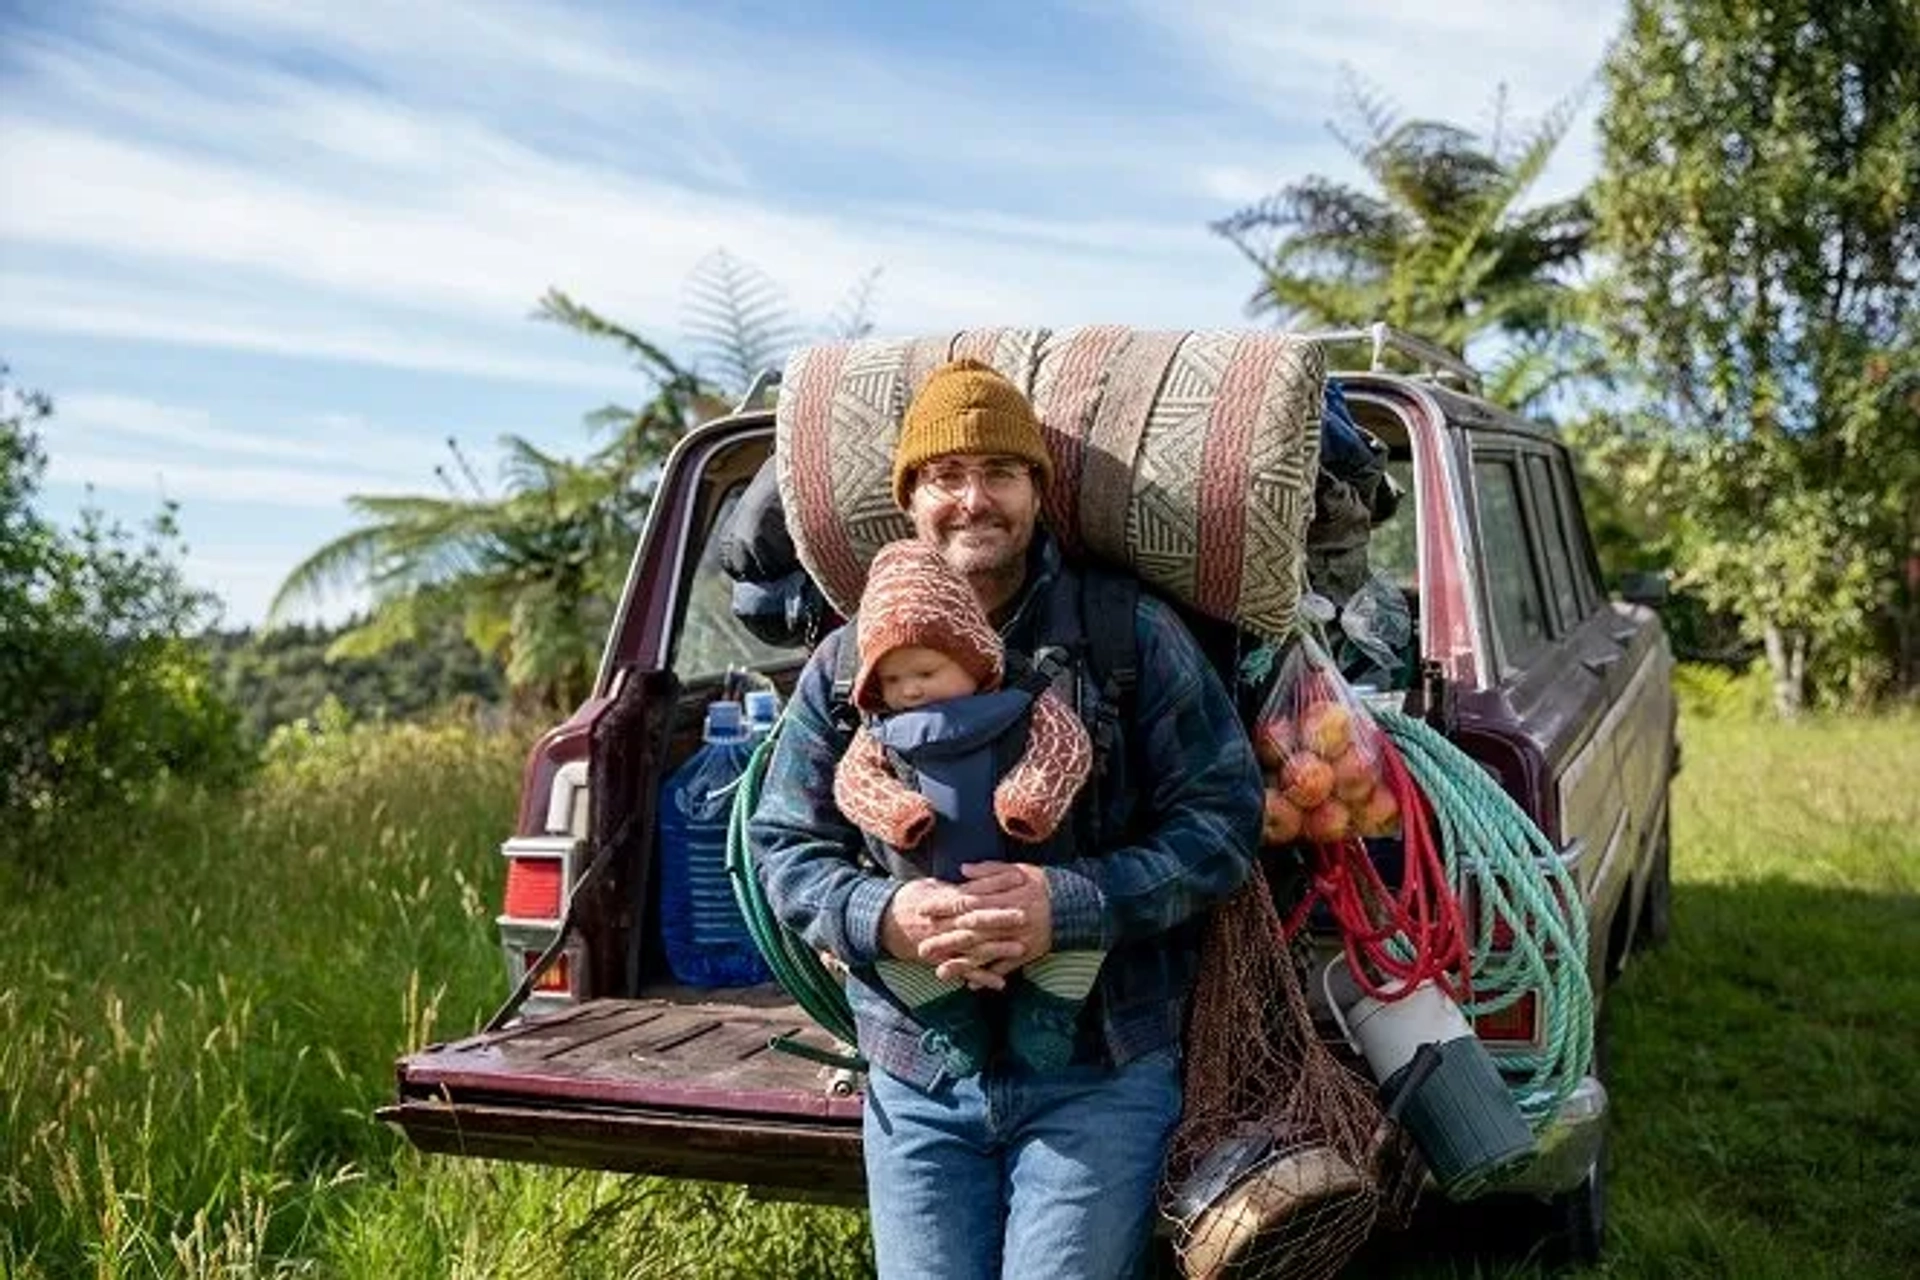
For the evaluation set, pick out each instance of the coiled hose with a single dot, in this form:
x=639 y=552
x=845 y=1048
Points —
x=795 y=965
x=1504 y=869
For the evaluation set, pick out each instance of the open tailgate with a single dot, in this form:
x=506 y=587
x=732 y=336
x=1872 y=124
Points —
x=644 y=1086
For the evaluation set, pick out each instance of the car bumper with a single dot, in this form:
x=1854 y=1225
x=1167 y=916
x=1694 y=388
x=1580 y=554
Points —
x=1569 y=1145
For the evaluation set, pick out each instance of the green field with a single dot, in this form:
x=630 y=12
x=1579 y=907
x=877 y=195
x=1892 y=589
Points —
x=202 y=1003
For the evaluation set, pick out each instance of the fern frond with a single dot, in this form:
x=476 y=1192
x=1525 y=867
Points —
x=737 y=320
x=852 y=316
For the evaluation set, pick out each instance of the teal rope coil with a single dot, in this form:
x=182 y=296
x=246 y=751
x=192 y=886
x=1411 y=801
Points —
x=1503 y=868
x=795 y=965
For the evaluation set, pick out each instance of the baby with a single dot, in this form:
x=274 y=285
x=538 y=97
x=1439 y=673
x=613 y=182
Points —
x=951 y=760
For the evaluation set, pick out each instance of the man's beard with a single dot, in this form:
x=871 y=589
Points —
x=993 y=559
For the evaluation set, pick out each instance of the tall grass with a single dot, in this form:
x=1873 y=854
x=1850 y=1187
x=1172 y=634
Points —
x=201 y=1007
x=202 y=1003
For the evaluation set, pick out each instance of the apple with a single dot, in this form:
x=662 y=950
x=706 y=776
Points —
x=1306 y=780
x=1326 y=729
x=1281 y=823
x=1380 y=816
x=1353 y=777
x=1273 y=742
x=1329 y=823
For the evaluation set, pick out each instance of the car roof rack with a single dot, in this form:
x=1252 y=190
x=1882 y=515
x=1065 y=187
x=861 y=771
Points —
x=764 y=381
x=1436 y=361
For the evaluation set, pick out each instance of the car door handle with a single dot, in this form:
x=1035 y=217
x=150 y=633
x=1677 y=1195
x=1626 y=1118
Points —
x=1601 y=665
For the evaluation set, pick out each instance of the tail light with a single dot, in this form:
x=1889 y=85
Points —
x=1520 y=1027
x=541 y=871
x=1515 y=1027
x=1502 y=937
x=534 y=888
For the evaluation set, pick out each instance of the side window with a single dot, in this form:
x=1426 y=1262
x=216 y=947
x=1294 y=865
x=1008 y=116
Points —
x=1513 y=579
x=1553 y=537
x=1586 y=572
x=711 y=641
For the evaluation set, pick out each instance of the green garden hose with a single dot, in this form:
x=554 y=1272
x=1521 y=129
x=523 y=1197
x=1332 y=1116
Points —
x=1503 y=868
x=795 y=965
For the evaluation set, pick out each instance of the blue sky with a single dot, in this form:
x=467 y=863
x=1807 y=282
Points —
x=266 y=254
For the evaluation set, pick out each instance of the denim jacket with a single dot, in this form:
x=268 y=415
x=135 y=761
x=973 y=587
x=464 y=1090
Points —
x=1182 y=806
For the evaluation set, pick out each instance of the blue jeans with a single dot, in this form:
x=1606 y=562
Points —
x=1013 y=1174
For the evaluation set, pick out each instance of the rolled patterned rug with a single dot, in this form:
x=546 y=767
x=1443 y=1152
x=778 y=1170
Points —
x=1188 y=457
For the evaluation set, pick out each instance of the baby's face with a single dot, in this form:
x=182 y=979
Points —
x=913 y=677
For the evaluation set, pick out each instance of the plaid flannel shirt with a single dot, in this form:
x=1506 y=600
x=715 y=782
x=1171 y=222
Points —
x=1183 y=795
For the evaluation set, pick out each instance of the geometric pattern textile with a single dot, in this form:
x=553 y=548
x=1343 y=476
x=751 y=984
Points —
x=1187 y=457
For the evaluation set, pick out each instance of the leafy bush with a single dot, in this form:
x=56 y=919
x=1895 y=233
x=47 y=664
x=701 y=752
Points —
x=1713 y=692
x=276 y=677
x=101 y=698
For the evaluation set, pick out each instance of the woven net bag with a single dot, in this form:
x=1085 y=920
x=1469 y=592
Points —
x=1281 y=1165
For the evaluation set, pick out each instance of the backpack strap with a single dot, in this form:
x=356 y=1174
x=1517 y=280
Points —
x=846 y=670
x=1108 y=602
x=1030 y=675
x=1091 y=625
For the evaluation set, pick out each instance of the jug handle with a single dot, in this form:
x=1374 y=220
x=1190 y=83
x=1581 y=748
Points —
x=1339 y=1016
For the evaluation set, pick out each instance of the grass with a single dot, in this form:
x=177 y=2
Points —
x=202 y=1004
x=202 y=1007
x=1769 y=1095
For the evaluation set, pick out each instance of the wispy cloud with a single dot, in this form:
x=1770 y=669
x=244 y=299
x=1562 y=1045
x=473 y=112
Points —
x=1431 y=61
x=335 y=189
x=140 y=446
x=95 y=418
x=364 y=192
x=207 y=481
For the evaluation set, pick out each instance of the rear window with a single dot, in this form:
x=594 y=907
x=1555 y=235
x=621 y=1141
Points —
x=1513 y=579
x=712 y=641
x=1391 y=550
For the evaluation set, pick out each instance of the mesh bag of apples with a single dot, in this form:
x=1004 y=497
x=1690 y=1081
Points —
x=1322 y=756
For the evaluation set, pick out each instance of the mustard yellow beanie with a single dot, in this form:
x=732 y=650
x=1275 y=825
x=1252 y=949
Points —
x=967 y=407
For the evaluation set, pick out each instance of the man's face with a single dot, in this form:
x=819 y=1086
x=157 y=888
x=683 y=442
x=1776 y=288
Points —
x=978 y=509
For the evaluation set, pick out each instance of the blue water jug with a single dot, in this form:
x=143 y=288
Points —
x=763 y=709
x=706 y=939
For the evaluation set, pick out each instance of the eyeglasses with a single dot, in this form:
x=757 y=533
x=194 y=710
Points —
x=951 y=479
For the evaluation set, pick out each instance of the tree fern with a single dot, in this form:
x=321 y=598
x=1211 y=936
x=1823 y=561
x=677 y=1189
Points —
x=737 y=320
x=1439 y=245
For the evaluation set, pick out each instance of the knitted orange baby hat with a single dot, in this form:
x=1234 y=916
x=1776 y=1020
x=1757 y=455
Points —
x=915 y=598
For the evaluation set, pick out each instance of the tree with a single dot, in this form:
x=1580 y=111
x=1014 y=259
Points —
x=739 y=324
x=101 y=696
x=533 y=572
x=1443 y=249
x=1756 y=203
x=280 y=676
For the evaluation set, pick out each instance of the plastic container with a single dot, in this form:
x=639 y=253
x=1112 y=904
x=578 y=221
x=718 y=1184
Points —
x=706 y=940
x=1462 y=1116
x=763 y=708
x=1463 y=1119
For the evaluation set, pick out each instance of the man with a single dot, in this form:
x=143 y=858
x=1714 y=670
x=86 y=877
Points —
x=1009 y=1171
